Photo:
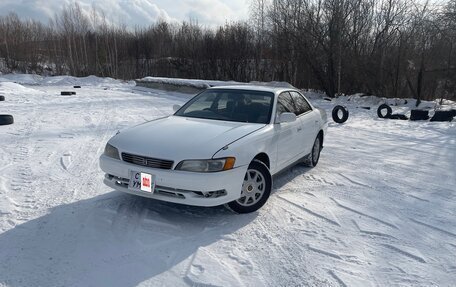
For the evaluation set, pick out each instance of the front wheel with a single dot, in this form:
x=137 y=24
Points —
x=256 y=189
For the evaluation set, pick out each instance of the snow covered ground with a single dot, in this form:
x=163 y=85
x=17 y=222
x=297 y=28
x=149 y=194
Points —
x=378 y=210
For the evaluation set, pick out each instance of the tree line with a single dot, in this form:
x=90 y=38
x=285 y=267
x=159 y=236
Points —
x=389 y=48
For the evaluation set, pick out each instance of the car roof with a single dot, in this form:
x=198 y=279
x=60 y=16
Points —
x=272 y=89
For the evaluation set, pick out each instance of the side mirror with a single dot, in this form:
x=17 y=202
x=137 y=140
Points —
x=176 y=108
x=287 y=118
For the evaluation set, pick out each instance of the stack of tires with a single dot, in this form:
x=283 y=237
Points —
x=70 y=93
x=384 y=111
x=419 y=115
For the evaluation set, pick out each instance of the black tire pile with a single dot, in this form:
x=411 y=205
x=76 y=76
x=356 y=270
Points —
x=70 y=93
x=389 y=113
x=419 y=115
x=416 y=114
x=443 y=116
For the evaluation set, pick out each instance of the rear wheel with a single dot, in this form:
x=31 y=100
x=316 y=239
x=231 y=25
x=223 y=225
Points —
x=256 y=189
x=314 y=156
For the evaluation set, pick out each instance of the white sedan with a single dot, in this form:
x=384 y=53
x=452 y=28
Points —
x=222 y=147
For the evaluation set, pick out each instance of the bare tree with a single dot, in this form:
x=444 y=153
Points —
x=391 y=48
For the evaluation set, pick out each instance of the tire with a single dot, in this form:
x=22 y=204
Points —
x=443 y=116
x=316 y=150
x=2 y=98
x=389 y=111
x=6 y=120
x=419 y=115
x=64 y=93
x=257 y=174
x=335 y=114
x=398 y=117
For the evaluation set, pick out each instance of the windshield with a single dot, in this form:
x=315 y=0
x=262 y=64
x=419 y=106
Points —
x=230 y=105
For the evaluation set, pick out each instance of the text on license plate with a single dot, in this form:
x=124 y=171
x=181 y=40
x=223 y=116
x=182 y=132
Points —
x=142 y=181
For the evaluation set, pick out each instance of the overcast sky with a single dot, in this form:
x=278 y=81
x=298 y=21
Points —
x=138 y=12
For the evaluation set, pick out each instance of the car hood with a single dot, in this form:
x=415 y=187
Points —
x=178 y=138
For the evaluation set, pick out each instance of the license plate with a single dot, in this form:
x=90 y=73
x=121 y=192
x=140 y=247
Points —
x=142 y=181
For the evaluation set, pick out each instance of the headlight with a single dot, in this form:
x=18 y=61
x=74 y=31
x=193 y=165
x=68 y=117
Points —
x=209 y=165
x=111 y=151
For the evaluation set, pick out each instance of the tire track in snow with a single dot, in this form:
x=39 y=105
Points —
x=202 y=267
x=346 y=278
x=324 y=252
x=433 y=227
x=90 y=149
x=354 y=181
x=364 y=214
x=321 y=180
x=405 y=253
x=269 y=232
x=309 y=211
x=375 y=233
x=391 y=189
x=333 y=275
x=20 y=167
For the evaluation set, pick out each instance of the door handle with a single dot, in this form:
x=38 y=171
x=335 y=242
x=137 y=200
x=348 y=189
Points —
x=299 y=129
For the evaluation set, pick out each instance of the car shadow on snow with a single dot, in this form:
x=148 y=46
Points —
x=288 y=175
x=113 y=239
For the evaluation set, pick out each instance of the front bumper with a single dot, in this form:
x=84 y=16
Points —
x=191 y=188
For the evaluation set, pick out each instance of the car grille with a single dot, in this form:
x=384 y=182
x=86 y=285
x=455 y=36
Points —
x=147 y=161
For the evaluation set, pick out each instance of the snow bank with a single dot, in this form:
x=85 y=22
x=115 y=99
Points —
x=30 y=79
x=273 y=84
x=199 y=84
x=85 y=81
x=12 y=88
x=204 y=84
x=24 y=79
